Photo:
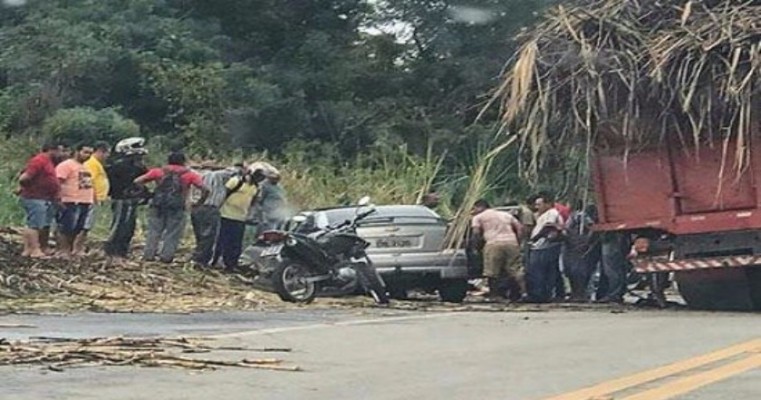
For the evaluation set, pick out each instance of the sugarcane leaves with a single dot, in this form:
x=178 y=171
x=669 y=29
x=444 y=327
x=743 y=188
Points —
x=650 y=69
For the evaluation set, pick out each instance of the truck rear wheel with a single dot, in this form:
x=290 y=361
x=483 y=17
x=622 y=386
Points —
x=720 y=289
x=754 y=279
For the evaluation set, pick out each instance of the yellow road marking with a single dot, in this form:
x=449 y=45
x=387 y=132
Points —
x=615 y=385
x=693 y=382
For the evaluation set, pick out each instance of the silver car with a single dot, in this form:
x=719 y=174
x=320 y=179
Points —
x=406 y=247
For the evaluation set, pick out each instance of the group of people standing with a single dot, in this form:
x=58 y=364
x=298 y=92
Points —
x=65 y=189
x=527 y=255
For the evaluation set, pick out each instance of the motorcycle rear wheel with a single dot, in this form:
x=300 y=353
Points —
x=289 y=282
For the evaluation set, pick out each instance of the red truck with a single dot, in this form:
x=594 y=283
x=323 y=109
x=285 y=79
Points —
x=696 y=212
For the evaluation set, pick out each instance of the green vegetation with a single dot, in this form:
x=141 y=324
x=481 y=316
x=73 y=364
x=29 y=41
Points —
x=258 y=74
x=348 y=96
x=84 y=124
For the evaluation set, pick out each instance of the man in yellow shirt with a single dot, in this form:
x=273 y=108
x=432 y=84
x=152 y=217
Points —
x=100 y=185
x=241 y=194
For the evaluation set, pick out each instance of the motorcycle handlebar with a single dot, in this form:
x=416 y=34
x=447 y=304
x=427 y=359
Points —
x=348 y=222
x=364 y=215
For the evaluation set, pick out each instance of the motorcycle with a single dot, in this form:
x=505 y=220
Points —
x=330 y=261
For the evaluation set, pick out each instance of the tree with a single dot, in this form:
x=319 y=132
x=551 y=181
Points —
x=259 y=74
x=83 y=124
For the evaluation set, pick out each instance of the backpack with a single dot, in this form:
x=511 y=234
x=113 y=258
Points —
x=169 y=193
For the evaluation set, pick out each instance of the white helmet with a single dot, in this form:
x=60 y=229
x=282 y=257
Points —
x=266 y=168
x=130 y=146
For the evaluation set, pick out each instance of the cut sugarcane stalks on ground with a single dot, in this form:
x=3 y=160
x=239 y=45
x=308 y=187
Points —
x=92 y=284
x=59 y=353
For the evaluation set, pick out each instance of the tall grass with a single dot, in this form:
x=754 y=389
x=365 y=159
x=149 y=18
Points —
x=389 y=175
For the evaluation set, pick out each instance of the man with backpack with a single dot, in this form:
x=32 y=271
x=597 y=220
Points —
x=166 y=214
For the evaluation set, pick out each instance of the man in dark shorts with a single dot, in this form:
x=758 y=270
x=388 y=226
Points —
x=77 y=196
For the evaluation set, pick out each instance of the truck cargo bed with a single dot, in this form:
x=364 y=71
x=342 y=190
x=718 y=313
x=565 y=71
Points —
x=680 y=189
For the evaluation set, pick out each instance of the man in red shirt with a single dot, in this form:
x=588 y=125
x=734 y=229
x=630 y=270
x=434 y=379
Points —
x=39 y=191
x=166 y=214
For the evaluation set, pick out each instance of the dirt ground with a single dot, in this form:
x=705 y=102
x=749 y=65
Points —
x=91 y=284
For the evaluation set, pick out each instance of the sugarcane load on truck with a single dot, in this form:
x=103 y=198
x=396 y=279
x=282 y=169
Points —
x=660 y=105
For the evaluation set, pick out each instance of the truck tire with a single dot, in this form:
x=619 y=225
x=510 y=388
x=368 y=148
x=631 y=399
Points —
x=453 y=290
x=719 y=289
x=754 y=279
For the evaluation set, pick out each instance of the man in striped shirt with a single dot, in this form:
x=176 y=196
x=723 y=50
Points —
x=205 y=217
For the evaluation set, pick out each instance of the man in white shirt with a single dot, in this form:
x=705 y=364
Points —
x=544 y=253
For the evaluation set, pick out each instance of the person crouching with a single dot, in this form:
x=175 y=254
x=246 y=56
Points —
x=500 y=232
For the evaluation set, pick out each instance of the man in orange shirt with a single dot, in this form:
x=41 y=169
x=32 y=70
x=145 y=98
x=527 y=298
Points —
x=77 y=196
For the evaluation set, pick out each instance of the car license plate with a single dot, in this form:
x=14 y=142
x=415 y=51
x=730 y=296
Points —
x=393 y=243
x=272 y=250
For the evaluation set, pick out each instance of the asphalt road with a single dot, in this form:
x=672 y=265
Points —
x=383 y=354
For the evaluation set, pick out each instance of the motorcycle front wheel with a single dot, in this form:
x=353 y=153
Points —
x=372 y=282
x=289 y=280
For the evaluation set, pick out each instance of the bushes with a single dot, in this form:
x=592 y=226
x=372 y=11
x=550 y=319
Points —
x=13 y=153
x=84 y=124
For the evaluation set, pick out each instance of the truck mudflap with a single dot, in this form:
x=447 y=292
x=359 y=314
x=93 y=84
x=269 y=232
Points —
x=648 y=265
x=711 y=283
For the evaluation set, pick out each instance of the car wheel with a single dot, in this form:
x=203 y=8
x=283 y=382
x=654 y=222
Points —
x=453 y=290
